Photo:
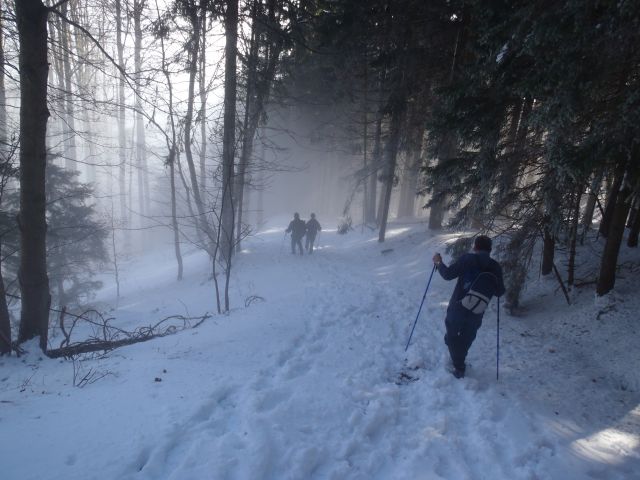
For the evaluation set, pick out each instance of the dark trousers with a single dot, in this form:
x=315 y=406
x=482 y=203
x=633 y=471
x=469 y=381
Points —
x=462 y=327
x=309 y=243
x=296 y=241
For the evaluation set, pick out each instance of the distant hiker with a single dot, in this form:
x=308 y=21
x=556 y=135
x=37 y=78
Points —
x=297 y=229
x=313 y=227
x=479 y=278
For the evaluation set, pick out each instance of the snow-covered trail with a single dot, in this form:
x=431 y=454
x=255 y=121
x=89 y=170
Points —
x=327 y=404
x=303 y=384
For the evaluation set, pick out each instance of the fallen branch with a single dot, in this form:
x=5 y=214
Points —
x=114 y=337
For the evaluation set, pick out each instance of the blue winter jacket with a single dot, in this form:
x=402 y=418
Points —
x=470 y=262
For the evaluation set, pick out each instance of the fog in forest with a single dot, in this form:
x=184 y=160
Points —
x=131 y=127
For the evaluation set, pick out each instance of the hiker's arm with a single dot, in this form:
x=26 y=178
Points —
x=450 y=272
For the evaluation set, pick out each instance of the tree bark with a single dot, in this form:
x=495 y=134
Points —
x=437 y=209
x=390 y=165
x=612 y=200
x=573 y=235
x=607 y=277
x=548 y=252
x=409 y=184
x=634 y=228
x=5 y=320
x=70 y=154
x=203 y=105
x=248 y=130
x=203 y=224
x=171 y=160
x=228 y=144
x=258 y=92
x=31 y=18
x=372 y=212
x=121 y=116
x=141 y=152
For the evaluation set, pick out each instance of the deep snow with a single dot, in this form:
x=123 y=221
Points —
x=303 y=385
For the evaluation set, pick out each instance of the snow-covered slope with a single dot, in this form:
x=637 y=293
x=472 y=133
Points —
x=303 y=385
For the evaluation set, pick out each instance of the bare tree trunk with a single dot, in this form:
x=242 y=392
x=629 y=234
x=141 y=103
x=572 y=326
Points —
x=365 y=140
x=612 y=200
x=121 y=116
x=607 y=277
x=258 y=92
x=247 y=131
x=194 y=49
x=548 y=252
x=5 y=321
x=141 y=152
x=70 y=155
x=3 y=94
x=228 y=145
x=84 y=85
x=409 y=184
x=171 y=160
x=390 y=165
x=203 y=105
x=634 y=228
x=373 y=215
x=437 y=208
x=174 y=216
x=261 y=180
x=573 y=235
x=31 y=18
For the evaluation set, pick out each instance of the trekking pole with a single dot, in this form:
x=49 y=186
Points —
x=498 y=340
x=420 y=309
x=282 y=244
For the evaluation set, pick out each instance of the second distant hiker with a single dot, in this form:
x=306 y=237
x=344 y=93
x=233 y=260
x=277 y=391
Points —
x=297 y=228
x=313 y=227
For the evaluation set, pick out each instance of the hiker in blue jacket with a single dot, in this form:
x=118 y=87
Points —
x=462 y=323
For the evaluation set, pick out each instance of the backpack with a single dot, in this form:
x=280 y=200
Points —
x=480 y=288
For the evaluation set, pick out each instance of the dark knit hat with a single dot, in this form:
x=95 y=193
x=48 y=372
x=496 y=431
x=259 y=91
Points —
x=482 y=243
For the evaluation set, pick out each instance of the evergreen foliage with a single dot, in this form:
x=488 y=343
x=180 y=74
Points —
x=76 y=238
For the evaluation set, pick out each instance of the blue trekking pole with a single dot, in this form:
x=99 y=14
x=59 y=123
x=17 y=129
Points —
x=498 y=340
x=420 y=309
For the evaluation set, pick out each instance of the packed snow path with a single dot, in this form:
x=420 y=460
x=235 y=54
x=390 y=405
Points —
x=304 y=384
